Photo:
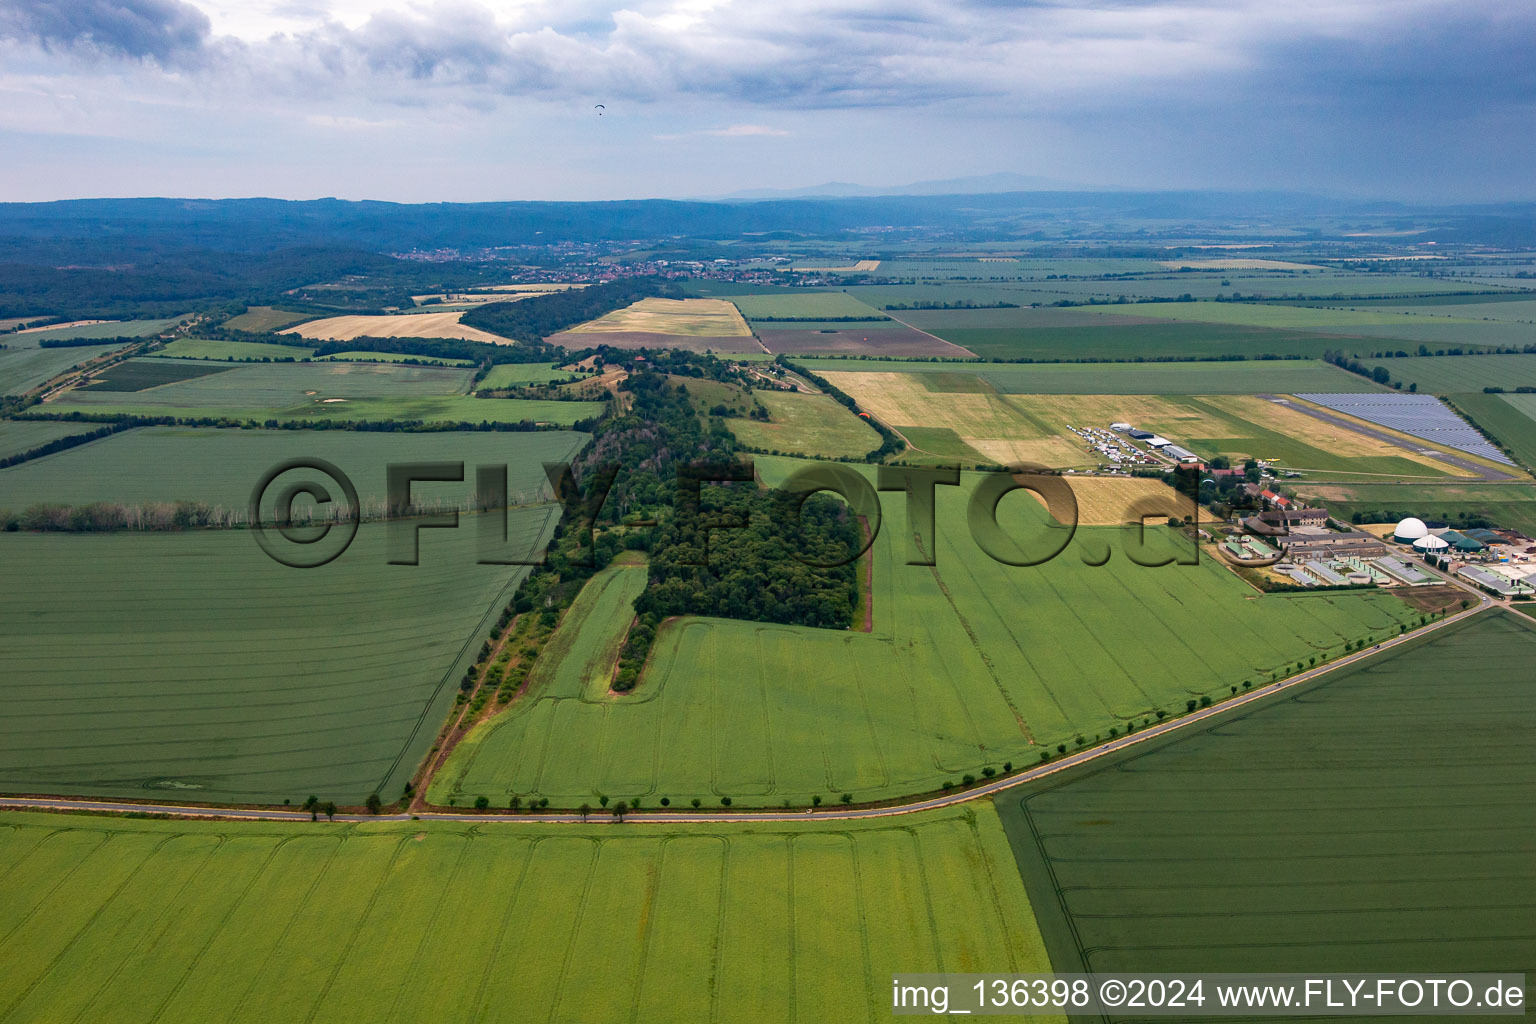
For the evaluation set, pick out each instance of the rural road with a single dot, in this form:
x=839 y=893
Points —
x=1483 y=472
x=987 y=789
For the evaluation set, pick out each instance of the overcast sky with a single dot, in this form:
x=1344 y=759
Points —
x=1418 y=99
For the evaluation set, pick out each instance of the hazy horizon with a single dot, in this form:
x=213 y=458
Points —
x=1424 y=100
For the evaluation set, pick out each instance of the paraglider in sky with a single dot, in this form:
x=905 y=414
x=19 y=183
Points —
x=599 y=108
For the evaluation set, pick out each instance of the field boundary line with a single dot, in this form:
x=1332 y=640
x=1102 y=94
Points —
x=748 y=817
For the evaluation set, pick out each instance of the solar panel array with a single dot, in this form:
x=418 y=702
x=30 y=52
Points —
x=1421 y=416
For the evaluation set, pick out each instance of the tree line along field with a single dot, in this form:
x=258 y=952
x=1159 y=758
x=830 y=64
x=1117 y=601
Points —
x=188 y=665
x=18 y=436
x=970 y=664
x=1249 y=377
x=1449 y=375
x=1376 y=821
x=25 y=364
x=161 y=921
x=203 y=348
x=145 y=465
x=318 y=390
x=1511 y=505
x=1511 y=419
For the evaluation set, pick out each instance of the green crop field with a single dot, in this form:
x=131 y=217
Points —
x=1281 y=376
x=159 y=921
x=804 y=304
x=1511 y=419
x=971 y=663
x=107 y=330
x=203 y=348
x=511 y=375
x=1131 y=340
x=1376 y=821
x=323 y=390
x=17 y=436
x=220 y=467
x=191 y=666
x=1338 y=321
x=259 y=319
x=23 y=367
x=806 y=425
x=143 y=374
x=1449 y=375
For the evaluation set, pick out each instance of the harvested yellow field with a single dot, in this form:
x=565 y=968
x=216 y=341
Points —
x=689 y=318
x=1112 y=500
x=1240 y=264
x=861 y=267
x=406 y=325
x=987 y=422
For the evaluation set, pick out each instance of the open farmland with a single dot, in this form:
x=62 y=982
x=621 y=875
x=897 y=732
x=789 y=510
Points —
x=202 y=348
x=407 y=325
x=416 y=921
x=1305 y=834
x=325 y=390
x=511 y=375
x=994 y=425
x=23 y=368
x=888 y=340
x=1511 y=419
x=806 y=425
x=219 y=467
x=18 y=436
x=803 y=304
x=1049 y=333
x=971 y=663
x=104 y=329
x=1448 y=375
x=164 y=665
x=135 y=375
x=701 y=318
x=698 y=325
x=260 y=319
x=1281 y=376
x=1510 y=505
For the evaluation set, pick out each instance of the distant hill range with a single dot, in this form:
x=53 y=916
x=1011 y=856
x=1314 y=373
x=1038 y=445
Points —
x=1003 y=181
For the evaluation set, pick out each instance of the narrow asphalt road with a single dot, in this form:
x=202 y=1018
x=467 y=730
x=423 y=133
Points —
x=725 y=817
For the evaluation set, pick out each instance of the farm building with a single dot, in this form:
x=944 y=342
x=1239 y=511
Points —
x=1140 y=435
x=1333 y=545
x=1156 y=441
x=1410 y=530
x=1461 y=542
x=1120 y=427
x=1295 y=516
x=1495 y=583
x=1182 y=454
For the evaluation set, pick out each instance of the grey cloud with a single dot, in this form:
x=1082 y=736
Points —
x=162 y=30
